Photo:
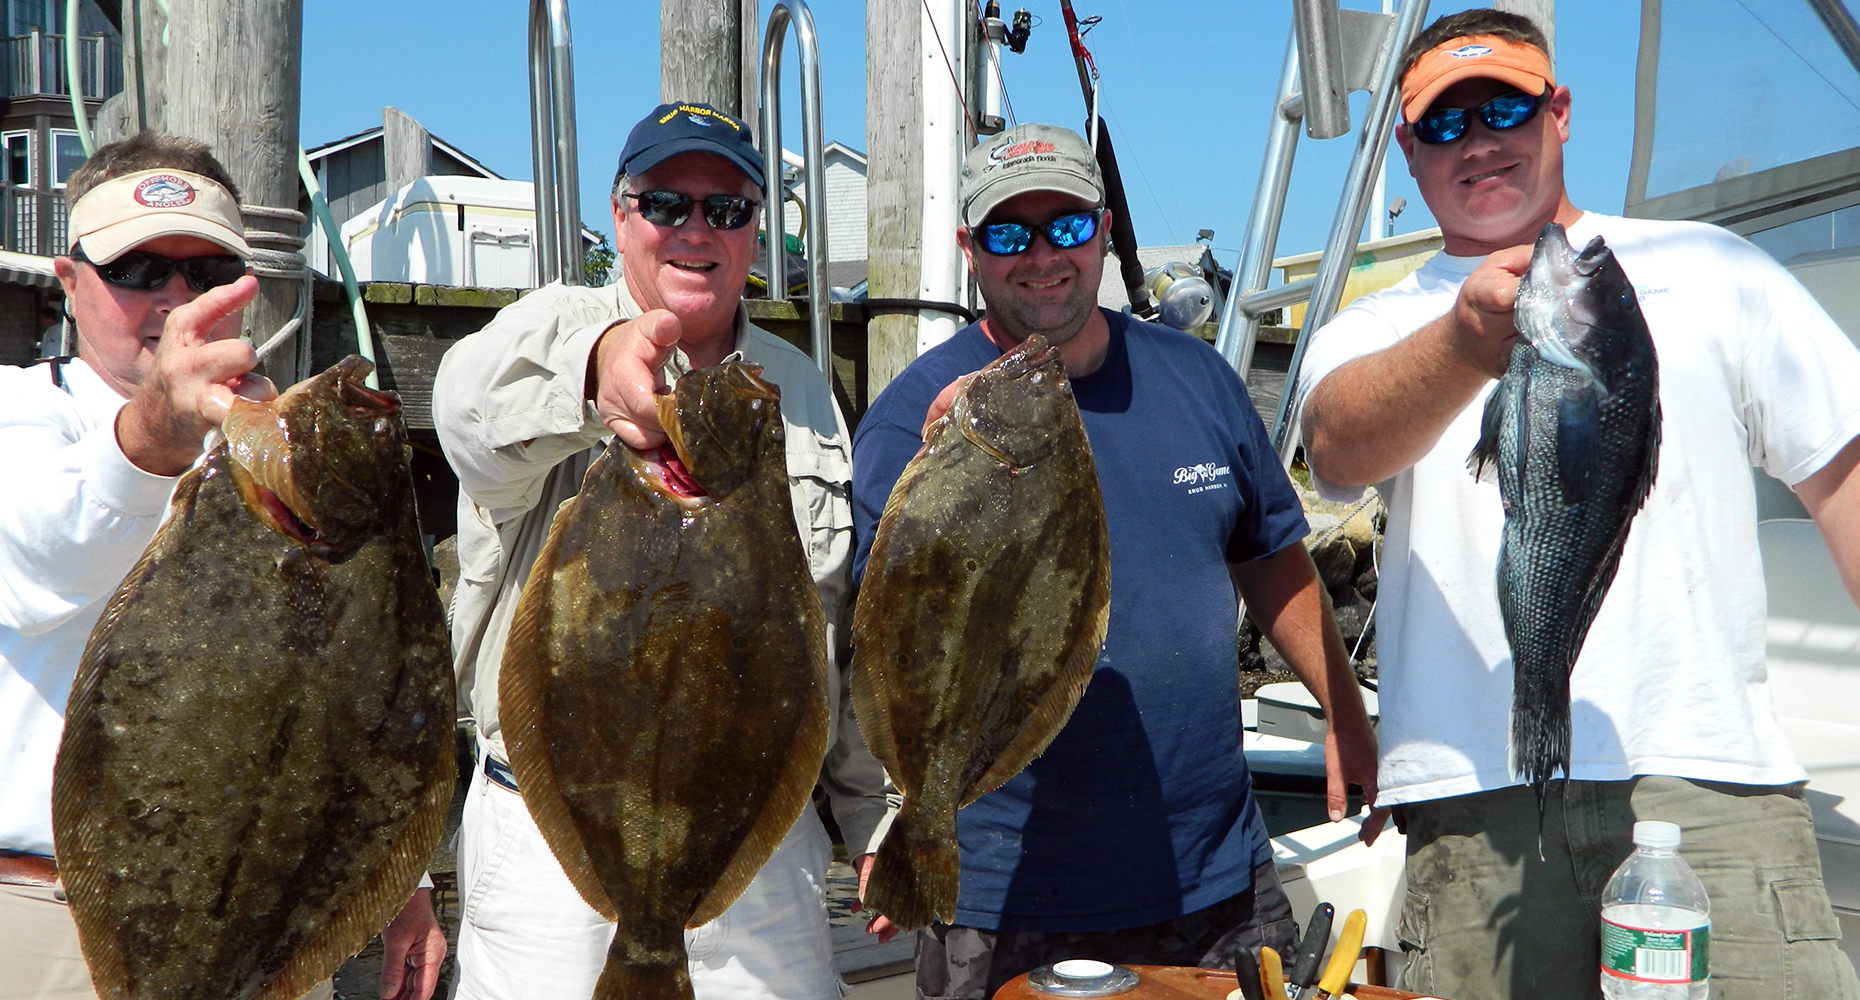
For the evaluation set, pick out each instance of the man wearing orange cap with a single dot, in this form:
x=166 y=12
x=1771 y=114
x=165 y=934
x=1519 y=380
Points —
x=1672 y=712
x=155 y=280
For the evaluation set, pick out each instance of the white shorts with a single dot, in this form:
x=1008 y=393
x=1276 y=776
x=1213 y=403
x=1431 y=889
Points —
x=525 y=932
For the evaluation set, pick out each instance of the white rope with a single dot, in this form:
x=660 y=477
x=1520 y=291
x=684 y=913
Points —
x=275 y=255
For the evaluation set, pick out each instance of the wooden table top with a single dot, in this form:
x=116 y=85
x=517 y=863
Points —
x=1171 y=983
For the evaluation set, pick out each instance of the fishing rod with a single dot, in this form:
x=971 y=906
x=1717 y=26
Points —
x=1123 y=235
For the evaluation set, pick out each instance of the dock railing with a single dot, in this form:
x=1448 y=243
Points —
x=35 y=66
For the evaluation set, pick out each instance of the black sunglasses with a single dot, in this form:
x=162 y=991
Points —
x=145 y=271
x=671 y=208
x=1005 y=239
x=1506 y=111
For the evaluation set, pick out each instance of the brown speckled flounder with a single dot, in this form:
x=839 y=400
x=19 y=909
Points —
x=257 y=755
x=664 y=688
x=983 y=607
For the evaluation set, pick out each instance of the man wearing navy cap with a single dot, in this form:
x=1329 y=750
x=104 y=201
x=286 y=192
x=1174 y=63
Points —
x=523 y=407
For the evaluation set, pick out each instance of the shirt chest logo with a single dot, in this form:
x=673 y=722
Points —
x=1203 y=477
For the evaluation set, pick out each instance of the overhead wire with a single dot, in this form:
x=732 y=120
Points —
x=1792 y=51
x=949 y=66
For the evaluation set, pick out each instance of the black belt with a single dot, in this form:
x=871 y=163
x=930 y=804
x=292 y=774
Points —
x=500 y=773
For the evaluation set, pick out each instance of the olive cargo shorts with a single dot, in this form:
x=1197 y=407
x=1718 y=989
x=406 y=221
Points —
x=1485 y=919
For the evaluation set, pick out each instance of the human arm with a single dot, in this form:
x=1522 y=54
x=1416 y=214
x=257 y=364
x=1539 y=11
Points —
x=1832 y=496
x=1379 y=414
x=413 y=946
x=623 y=376
x=1285 y=596
x=510 y=402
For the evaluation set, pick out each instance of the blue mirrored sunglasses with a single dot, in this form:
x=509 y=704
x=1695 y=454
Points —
x=1443 y=125
x=1005 y=239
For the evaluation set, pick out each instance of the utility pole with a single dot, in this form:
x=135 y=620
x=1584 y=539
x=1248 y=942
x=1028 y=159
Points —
x=1541 y=11
x=707 y=54
x=230 y=75
x=894 y=138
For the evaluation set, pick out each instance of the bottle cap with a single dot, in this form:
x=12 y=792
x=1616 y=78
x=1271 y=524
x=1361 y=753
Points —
x=1656 y=833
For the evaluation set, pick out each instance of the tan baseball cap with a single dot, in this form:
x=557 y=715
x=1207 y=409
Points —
x=1523 y=66
x=1025 y=158
x=125 y=212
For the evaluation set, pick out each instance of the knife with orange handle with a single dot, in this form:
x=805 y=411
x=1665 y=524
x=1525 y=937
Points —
x=1343 y=960
x=1272 y=975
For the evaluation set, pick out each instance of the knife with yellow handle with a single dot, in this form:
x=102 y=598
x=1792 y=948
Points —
x=1272 y=974
x=1343 y=960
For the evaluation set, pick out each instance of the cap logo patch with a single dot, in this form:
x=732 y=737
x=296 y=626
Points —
x=1000 y=155
x=701 y=116
x=1471 y=51
x=164 y=191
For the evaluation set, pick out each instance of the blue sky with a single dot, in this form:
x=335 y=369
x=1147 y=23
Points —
x=1187 y=89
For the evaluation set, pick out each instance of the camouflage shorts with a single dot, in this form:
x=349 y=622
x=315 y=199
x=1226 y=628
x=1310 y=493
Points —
x=966 y=963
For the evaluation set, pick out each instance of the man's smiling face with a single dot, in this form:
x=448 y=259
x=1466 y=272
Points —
x=692 y=270
x=1045 y=290
x=1492 y=189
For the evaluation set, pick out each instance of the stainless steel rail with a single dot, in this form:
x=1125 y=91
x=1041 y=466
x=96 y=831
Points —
x=552 y=144
x=1362 y=50
x=814 y=171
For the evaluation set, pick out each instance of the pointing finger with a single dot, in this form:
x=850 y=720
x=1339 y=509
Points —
x=202 y=320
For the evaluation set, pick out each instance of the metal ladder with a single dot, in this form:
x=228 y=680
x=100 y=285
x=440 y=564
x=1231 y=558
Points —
x=814 y=170
x=1331 y=53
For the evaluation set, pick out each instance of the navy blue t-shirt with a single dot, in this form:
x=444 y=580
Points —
x=1142 y=808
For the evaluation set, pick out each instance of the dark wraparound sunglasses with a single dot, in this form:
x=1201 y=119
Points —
x=1005 y=239
x=145 y=271
x=671 y=208
x=1506 y=111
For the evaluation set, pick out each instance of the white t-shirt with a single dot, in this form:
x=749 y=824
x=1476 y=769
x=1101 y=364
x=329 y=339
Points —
x=75 y=515
x=1671 y=679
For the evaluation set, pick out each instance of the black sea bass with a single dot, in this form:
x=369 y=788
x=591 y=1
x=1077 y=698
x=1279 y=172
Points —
x=664 y=689
x=980 y=618
x=1573 y=430
x=258 y=752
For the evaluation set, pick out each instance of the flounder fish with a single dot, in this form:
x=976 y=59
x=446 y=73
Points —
x=664 y=687
x=980 y=618
x=258 y=751
x=1573 y=433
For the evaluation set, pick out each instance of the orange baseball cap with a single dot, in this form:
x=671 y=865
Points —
x=1522 y=65
x=123 y=212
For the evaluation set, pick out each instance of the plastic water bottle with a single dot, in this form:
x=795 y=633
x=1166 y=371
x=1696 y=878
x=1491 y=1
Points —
x=1656 y=923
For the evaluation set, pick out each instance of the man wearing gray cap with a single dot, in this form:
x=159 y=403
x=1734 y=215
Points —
x=1134 y=838
x=523 y=407
x=155 y=281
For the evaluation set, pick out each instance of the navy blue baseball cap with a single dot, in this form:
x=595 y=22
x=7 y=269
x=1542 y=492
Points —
x=672 y=129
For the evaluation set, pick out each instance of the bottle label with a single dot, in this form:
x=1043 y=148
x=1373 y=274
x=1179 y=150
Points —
x=1656 y=956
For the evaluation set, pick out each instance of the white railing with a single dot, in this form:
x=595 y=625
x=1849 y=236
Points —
x=25 y=215
x=35 y=66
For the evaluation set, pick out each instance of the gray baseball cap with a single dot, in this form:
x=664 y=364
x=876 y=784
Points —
x=1027 y=158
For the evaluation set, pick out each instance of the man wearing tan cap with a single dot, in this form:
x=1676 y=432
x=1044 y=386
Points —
x=1135 y=837
x=155 y=281
x=1672 y=716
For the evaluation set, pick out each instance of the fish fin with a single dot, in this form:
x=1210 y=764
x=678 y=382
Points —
x=76 y=832
x=1483 y=462
x=1579 y=439
x=917 y=873
x=792 y=792
x=1650 y=468
x=520 y=700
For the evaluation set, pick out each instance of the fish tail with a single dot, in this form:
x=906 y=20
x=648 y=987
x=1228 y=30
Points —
x=915 y=876
x=622 y=979
x=1540 y=726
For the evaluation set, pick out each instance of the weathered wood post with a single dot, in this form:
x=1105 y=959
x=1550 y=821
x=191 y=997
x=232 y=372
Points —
x=894 y=142
x=704 y=47
x=230 y=75
x=1541 y=11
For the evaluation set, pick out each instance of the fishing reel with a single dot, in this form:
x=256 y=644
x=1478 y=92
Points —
x=1184 y=299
